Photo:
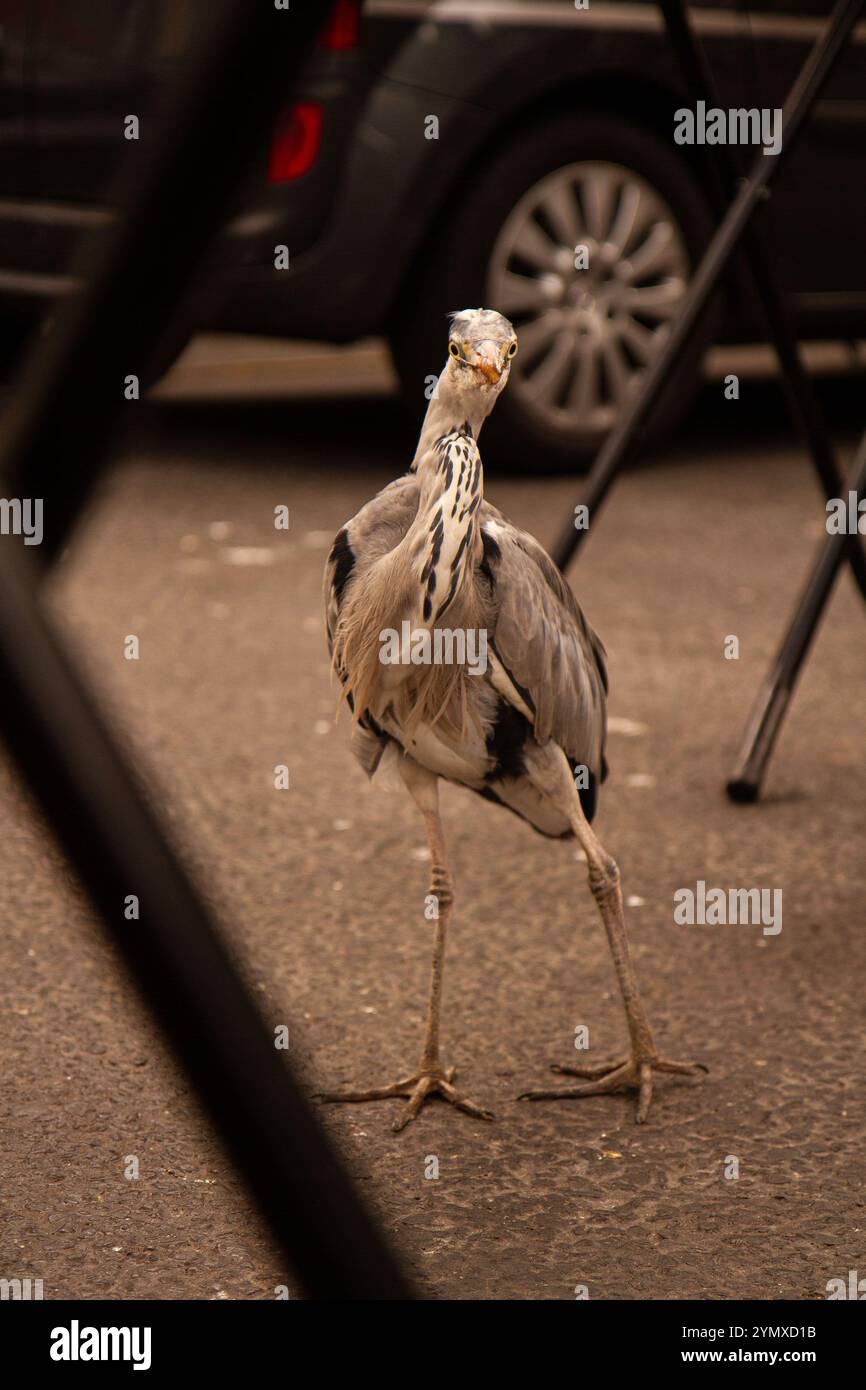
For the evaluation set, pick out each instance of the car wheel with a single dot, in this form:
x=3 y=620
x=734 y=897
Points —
x=584 y=232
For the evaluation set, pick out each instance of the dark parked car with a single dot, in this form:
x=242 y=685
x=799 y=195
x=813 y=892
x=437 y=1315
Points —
x=451 y=154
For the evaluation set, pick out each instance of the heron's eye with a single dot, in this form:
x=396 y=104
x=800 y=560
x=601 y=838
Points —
x=512 y=351
x=454 y=349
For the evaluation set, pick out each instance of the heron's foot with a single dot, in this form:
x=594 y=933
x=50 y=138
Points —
x=635 y=1072
x=416 y=1089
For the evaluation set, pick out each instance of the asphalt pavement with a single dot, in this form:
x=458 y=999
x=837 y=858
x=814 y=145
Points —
x=320 y=888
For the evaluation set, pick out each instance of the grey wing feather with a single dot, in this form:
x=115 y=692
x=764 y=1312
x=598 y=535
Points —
x=549 y=650
x=377 y=528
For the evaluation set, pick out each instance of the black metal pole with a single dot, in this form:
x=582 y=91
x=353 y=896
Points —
x=798 y=386
x=54 y=446
x=620 y=443
x=177 y=957
x=769 y=710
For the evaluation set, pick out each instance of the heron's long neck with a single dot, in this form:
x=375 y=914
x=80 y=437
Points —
x=447 y=411
x=443 y=541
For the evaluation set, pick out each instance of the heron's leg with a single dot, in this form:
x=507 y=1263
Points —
x=431 y=1077
x=636 y=1070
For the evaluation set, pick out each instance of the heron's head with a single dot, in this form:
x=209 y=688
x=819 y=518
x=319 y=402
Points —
x=481 y=345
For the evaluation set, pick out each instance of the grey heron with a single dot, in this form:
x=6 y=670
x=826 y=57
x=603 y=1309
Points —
x=527 y=732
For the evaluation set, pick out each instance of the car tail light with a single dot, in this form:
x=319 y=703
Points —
x=296 y=143
x=342 y=28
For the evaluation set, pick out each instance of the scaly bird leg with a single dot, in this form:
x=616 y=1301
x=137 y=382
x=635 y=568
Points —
x=635 y=1071
x=431 y=1078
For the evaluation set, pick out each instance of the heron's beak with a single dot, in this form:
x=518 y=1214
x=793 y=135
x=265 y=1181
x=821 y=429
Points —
x=488 y=362
x=490 y=370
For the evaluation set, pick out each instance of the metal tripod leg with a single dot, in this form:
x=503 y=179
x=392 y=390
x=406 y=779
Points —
x=622 y=441
x=775 y=694
x=799 y=388
x=766 y=720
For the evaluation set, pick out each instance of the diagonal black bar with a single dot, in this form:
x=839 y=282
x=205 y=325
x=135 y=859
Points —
x=621 y=443
x=177 y=957
x=799 y=388
x=178 y=191
x=56 y=443
x=775 y=695
x=773 y=698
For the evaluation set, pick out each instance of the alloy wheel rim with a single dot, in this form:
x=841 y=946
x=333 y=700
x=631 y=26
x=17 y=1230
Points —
x=589 y=322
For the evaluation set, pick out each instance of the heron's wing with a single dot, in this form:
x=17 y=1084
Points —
x=550 y=654
x=378 y=527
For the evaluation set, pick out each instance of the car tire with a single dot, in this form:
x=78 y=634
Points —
x=473 y=242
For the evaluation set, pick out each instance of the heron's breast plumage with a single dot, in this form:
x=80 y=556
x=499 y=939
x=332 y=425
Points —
x=545 y=677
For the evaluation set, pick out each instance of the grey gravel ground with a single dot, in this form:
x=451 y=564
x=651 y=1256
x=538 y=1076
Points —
x=321 y=893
